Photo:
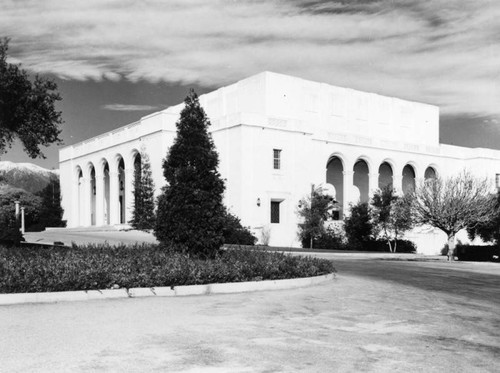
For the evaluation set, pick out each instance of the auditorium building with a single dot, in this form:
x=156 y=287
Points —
x=277 y=135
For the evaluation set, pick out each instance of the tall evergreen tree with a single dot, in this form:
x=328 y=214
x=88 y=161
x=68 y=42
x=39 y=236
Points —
x=190 y=209
x=51 y=212
x=143 y=215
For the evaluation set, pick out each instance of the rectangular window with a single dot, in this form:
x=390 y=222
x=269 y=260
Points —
x=275 y=212
x=277 y=159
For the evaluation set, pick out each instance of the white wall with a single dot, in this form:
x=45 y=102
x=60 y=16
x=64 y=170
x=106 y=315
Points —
x=309 y=122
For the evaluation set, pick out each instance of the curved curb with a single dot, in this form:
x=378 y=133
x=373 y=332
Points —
x=163 y=291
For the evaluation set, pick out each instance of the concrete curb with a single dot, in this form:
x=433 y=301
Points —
x=164 y=291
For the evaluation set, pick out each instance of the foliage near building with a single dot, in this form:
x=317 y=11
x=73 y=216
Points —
x=143 y=214
x=51 y=212
x=358 y=226
x=27 y=108
x=236 y=234
x=488 y=231
x=32 y=206
x=391 y=215
x=191 y=214
x=10 y=234
x=314 y=210
x=459 y=202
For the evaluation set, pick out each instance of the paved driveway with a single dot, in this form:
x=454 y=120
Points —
x=380 y=316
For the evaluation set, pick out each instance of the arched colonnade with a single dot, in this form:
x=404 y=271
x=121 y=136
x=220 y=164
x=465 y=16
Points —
x=103 y=191
x=358 y=180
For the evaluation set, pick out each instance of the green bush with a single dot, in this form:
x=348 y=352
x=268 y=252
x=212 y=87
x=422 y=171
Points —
x=236 y=234
x=358 y=226
x=330 y=239
x=32 y=206
x=475 y=253
x=92 y=267
x=10 y=235
x=403 y=246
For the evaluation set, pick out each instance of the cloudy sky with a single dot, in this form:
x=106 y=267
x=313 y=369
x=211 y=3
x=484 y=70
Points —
x=115 y=61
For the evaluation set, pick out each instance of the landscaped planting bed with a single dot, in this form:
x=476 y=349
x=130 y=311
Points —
x=92 y=267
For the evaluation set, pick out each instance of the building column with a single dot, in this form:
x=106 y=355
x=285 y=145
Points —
x=75 y=216
x=372 y=184
x=348 y=184
x=99 y=199
x=397 y=183
x=129 y=194
x=87 y=201
x=114 y=206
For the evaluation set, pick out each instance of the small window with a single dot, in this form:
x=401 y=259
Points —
x=277 y=159
x=275 y=212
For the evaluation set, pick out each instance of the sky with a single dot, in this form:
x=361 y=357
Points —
x=118 y=60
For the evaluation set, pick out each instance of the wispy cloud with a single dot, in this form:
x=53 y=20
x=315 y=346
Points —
x=123 y=107
x=436 y=51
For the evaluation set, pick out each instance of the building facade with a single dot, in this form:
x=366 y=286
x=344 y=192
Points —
x=276 y=135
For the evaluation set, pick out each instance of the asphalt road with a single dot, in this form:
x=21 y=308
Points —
x=377 y=316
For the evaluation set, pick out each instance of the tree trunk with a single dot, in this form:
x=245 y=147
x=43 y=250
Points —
x=390 y=247
x=451 y=247
x=395 y=245
x=311 y=242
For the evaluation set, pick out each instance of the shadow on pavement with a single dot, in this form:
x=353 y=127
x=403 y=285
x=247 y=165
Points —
x=459 y=278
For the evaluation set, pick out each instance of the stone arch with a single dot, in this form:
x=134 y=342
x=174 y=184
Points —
x=79 y=197
x=91 y=172
x=136 y=162
x=361 y=179
x=335 y=168
x=132 y=156
x=430 y=172
x=416 y=168
x=409 y=176
x=385 y=175
x=120 y=169
x=367 y=160
x=106 y=194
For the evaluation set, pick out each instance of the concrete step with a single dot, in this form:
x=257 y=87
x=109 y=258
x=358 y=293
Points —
x=101 y=228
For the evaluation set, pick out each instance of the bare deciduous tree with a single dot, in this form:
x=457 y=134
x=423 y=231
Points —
x=452 y=204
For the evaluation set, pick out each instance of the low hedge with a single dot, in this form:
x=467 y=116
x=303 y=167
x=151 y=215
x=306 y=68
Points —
x=403 y=246
x=101 y=267
x=477 y=253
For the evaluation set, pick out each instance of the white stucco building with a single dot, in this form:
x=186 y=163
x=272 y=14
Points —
x=276 y=135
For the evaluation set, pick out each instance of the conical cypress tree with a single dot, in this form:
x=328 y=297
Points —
x=51 y=212
x=190 y=209
x=143 y=215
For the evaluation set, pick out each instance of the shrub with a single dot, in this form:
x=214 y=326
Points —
x=51 y=212
x=10 y=235
x=331 y=239
x=265 y=235
x=32 y=206
x=90 y=267
x=358 y=227
x=234 y=233
x=314 y=211
x=477 y=253
x=403 y=246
